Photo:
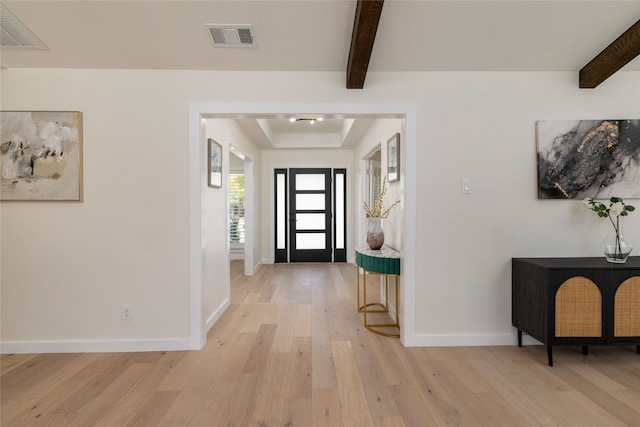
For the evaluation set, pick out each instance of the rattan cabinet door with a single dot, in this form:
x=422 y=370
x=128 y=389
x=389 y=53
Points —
x=578 y=307
x=627 y=308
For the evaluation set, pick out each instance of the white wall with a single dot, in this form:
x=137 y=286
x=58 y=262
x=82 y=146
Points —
x=481 y=127
x=68 y=267
x=379 y=134
x=216 y=278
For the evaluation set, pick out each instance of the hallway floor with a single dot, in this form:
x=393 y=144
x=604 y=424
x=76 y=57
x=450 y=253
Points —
x=291 y=351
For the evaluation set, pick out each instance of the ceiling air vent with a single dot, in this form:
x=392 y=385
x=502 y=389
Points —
x=232 y=35
x=13 y=33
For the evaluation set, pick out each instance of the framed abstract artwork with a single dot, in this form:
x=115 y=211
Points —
x=393 y=158
x=215 y=163
x=41 y=155
x=580 y=159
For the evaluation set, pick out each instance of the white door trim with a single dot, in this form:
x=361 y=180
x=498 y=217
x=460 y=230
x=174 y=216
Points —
x=198 y=112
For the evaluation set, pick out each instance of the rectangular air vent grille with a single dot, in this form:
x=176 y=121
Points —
x=14 y=34
x=232 y=35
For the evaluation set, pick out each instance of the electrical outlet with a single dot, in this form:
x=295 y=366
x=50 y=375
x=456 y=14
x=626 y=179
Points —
x=127 y=312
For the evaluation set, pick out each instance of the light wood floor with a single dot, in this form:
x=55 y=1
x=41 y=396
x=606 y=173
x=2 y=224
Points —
x=291 y=351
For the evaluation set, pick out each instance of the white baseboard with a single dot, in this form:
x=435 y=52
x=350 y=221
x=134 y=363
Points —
x=94 y=346
x=466 y=340
x=257 y=266
x=213 y=318
x=107 y=346
x=527 y=340
x=181 y=344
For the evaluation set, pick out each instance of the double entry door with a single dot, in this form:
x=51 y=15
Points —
x=310 y=215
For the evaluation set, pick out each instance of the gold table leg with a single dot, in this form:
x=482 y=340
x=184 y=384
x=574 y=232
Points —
x=373 y=327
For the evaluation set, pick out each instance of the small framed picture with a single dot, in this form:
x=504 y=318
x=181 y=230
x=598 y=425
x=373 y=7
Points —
x=215 y=164
x=393 y=158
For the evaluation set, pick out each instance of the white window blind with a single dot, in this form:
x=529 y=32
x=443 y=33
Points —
x=236 y=208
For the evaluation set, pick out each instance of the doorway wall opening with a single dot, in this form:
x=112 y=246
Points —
x=200 y=112
x=237 y=218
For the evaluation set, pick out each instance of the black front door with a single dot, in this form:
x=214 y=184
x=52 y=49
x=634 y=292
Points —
x=310 y=215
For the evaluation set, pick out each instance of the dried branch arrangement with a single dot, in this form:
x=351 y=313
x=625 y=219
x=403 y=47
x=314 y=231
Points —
x=377 y=211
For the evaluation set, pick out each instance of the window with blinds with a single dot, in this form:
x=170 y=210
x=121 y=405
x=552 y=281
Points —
x=236 y=208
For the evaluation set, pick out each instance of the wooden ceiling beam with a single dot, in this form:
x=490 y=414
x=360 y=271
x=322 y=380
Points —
x=365 y=26
x=618 y=54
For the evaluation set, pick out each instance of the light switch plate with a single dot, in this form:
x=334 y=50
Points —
x=465 y=186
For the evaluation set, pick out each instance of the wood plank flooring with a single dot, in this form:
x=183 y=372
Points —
x=291 y=351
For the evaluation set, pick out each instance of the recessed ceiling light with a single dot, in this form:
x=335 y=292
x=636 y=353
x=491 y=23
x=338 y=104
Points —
x=311 y=120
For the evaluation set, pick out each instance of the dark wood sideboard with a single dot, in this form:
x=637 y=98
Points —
x=576 y=301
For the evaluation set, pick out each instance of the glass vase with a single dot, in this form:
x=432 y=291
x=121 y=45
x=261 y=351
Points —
x=616 y=249
x=375 y=235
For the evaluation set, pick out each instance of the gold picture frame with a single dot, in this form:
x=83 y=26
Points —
x=41 y=156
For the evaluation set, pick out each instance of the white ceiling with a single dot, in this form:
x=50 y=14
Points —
x=331 y=132
x=315 y=35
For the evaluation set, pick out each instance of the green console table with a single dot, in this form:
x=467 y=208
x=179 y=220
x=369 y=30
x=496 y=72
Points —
x=384 y=262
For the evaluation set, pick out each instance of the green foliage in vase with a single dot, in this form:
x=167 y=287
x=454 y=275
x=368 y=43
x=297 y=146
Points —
x=617 y=207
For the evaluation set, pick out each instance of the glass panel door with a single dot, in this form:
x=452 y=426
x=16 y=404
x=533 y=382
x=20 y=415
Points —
x=310 y=215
